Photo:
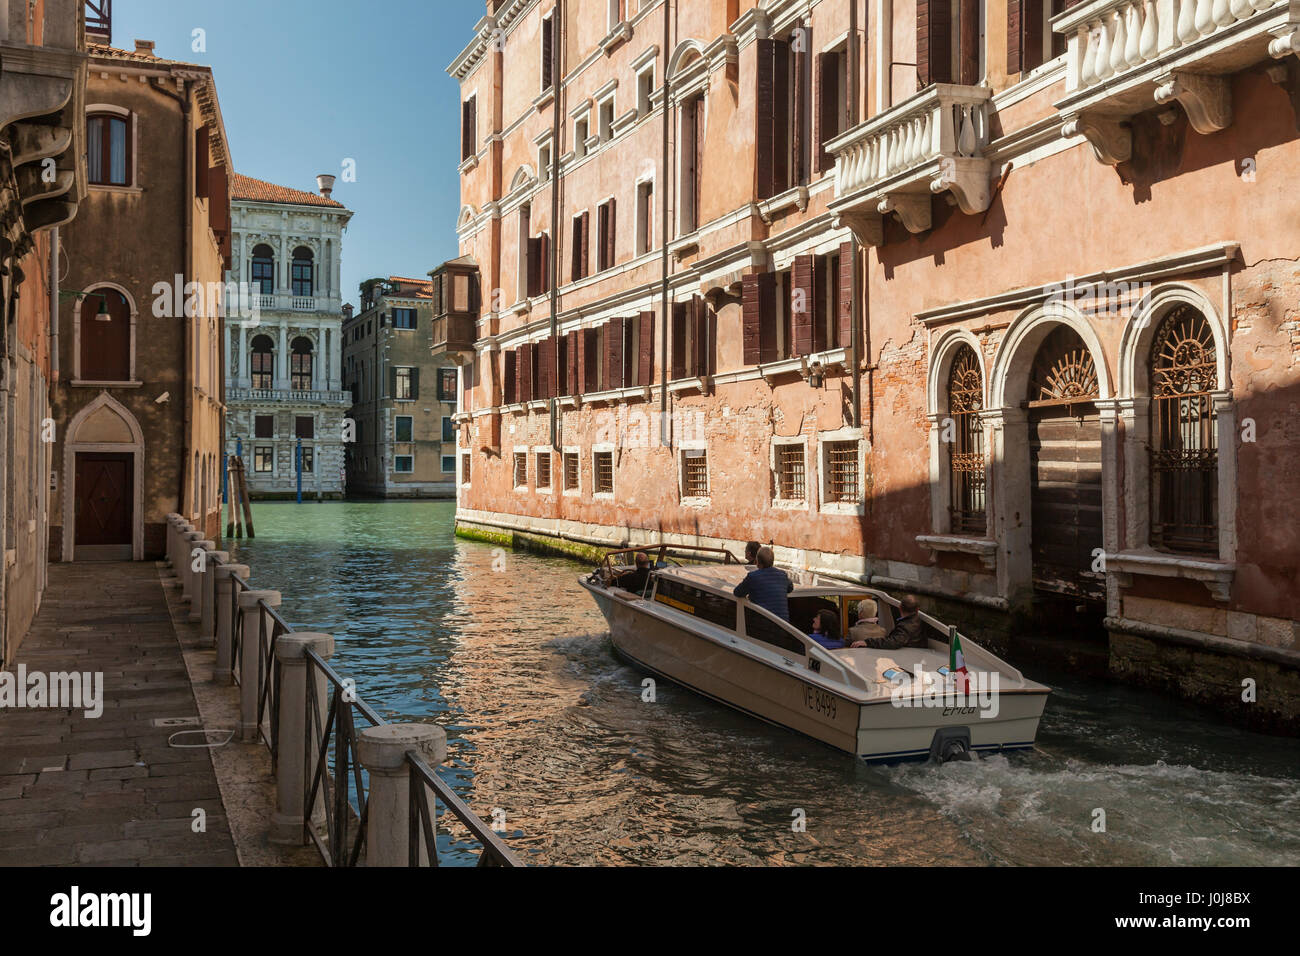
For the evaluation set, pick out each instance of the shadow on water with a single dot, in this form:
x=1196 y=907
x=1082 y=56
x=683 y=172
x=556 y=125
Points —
x=510 y=656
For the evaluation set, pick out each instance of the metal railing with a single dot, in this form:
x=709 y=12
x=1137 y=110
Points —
x=335 y=784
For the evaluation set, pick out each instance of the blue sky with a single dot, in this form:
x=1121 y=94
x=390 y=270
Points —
x=306 y=84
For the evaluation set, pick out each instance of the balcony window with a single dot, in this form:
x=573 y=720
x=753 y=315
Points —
x=263 y=358
x=303 y=272
x=262 y=273
x=301 y=365
x=108 y=150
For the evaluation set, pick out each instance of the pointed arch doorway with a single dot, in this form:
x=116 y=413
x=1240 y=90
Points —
x=103 y=497
x=1065 y=468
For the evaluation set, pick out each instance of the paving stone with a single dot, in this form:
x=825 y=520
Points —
x=108 y=758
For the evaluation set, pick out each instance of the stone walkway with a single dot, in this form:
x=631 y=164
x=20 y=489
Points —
x=109 y=790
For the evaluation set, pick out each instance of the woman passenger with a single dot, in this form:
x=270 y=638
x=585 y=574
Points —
x=826 y=630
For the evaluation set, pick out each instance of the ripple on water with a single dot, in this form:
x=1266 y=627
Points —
x=546 y=724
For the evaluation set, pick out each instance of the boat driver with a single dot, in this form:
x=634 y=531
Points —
x=636 y=580
x=767 y=586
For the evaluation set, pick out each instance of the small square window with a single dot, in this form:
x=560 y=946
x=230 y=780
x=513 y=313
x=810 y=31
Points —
x=448 y=464
x=521 y=469
x=404 y=464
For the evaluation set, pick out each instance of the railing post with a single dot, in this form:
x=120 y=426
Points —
x=199 y=578
x=169 y=548
x=225 y=617
x=180 y=527
x=189 y=541
x=287 y=824
x=382 y=751
x=249 y=647
x=208 y=619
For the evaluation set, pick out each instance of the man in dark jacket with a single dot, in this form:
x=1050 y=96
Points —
x=908 y=632
x=636 y=580
x=767 y=586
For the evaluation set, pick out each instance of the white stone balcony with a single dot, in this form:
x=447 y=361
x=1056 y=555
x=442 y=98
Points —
x=1128 y=56
x=931 y=143
x=289 y=396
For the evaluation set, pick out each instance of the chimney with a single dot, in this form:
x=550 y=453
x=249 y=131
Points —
x=145 y=48
x=326 y=184
x=347 y=311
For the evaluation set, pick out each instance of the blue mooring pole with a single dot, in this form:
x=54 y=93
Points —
x=298 y=466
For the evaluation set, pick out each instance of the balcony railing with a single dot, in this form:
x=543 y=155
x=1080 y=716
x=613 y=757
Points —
x=930 y=143
x=301 y=303
x=1128 y=56
x=288 y=395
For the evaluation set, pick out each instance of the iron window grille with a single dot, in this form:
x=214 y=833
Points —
x=842 y=484
x=966 y=507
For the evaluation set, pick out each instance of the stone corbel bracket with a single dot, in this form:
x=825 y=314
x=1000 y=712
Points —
x=1109 y=136
x=912 y=209
x=966 y=178
x=1206 y=99
x=867 y=228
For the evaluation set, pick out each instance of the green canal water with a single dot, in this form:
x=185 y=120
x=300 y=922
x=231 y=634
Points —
x=510 y=656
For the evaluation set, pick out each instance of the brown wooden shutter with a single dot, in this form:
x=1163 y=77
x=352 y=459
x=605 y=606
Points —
x=781 y=117
x=801 y=276
x=969 y=54
x=609 y=234
x=764 y=107
x=798 y=115
x=589 y=350
x=614 y=353
x=534 y=266
x=544 y=260
x=1014 y=31
x=1031 y=34
x=568 y=367
x=525 y=370
x=583 y=259
x=578 y=355
x=547 y=59
x=846 y=295
x=201 y=159
x=679 y=339
x=509 y=377
x=646 y=354
x=415 y=382
x=703 y=321
x=468 y=128
x=758 y=317
x=819 y=343
x=825 y=111
x=933 y=42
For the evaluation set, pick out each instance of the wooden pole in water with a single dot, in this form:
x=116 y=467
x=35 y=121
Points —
x=243 y=488
x=230 y=497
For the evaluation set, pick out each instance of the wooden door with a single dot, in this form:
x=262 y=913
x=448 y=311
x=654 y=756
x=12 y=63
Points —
x=104 y=499
x=1065 y=483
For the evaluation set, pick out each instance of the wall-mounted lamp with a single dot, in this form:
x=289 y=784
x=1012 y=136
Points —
x=814 y=374
x=103 y=315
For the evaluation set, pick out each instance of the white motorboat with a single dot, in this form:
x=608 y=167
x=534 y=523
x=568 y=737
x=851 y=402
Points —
x=882 y=705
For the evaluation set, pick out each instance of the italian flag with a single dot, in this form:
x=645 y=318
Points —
x=957 y=664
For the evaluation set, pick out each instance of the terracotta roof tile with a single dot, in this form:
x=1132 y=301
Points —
x=113 y=53
x=258 y=190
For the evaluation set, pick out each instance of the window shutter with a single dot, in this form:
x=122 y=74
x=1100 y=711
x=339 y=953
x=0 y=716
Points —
x=820 y=308
x=969 y=54
x=933 y=42
x=758 y=314
x=524 y=367
x=825 y=97
x=646 y=355
x=846 y=295
x=392 y=381
x=415 y=382
x=765 y=106
x=544 y=263
x=803 y=300
x=609 y=234
x=571 y=348
x=1014 y=31
x=799 y=114
x=547 y=57
x=583 y=259
x=1031 y=34
x=614 y=353
x=534 y=266
x=700 y=318
x=589 y=361
x=697 y=188
x=468 y=131
x=679 y=339
x=509 y=377
x=781 y=117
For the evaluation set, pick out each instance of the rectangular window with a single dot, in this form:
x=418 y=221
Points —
x=521 y=469
x=692 y=139
x=544 y=161
x=831 y=106
x=695 y=473
x=645 y=85
x=543 y=469
x=308 y=459
x=580 y=134
x=570 y=471
x=842 y=483
x=603 y=473
x=402 y=390
x=403 y=428
x=264 y=426
x=300 y=371
x=447 y=385
x=304 y=426
x=404 y=319
x=468 y=129
x=448 y=464
x=448 y=429
x=548 y=47
x=605 y=236
x=644 y=217
x=464 y=469
x=605 y=120
x=263 y=459
x=404 y=464
x=262 y=368
x=108 y=150
x=579 y=252
x=791 y=484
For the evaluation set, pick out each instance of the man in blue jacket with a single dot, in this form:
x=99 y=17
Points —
x=767 y=586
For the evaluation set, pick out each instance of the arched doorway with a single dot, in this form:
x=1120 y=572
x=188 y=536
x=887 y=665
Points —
x=1065 y=468
x=103 y=494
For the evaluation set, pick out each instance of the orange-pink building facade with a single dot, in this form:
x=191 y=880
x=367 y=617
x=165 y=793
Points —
x=991 y=301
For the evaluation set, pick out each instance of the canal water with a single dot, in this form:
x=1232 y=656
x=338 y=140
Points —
x=509 y=655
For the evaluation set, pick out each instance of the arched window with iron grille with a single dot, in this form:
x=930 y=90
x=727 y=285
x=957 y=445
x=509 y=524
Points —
x=1184 y=444
x=966 y=445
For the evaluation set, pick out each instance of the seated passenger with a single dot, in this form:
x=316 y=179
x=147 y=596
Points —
x=638 y=579
x=868 y=626
x=908 y=632
x=826 y=630
x=767 y=586
x=751 y=552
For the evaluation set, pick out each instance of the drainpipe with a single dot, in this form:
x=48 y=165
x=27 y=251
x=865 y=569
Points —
x=665 y=438
x=54 y=306
x=857 y=332
x=553 y=247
